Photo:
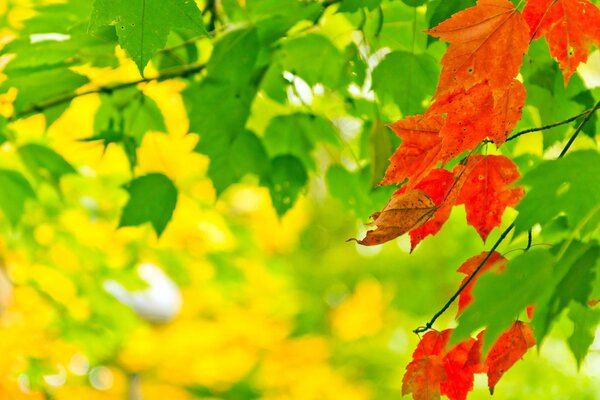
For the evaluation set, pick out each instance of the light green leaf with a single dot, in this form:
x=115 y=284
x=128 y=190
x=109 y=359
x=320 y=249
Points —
x=152 y=198
x=570 y=185
x=15 y=191
x=43 y=162
x=406 y=79
x=355 y=5
x=297 y=134
x=39 y=87
x=143 y=25
x=585 y=321
x=285 y=180
x=328 y=70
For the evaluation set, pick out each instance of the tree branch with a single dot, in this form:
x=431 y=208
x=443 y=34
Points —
x=429 y=324
x=178 y=72
x=553 y=125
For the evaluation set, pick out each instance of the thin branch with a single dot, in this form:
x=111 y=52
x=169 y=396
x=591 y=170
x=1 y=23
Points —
x=184 y=71
x=555 y=124
x=429 y=324
x=579 y=128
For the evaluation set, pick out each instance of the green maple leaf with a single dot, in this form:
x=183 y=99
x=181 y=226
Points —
x=142 y=26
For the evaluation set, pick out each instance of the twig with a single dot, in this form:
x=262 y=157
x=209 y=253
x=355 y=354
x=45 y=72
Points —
x=555 y=124
x=579 y=128
x=429 y=324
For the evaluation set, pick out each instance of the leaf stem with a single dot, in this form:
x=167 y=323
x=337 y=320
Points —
x=429 y=324
x=544 y=127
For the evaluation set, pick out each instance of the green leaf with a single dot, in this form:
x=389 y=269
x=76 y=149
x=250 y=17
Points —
x=248 y=155
x=329 y=70
x=43 y=162
x=500 y=298
x=286 y=179
x=355 y=5
x=406 y=79
x=152 y=198
x=297 y=134
x=142 y=26
x=570 y=185
x=352 y=189
x=219 y=105
x=15 y=191
x=585 y=321
x=38 y=88
x=380 y=150
x=414 y=3
x=572 y=278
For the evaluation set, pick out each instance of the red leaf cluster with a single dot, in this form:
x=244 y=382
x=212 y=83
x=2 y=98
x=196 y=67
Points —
x=436 y=370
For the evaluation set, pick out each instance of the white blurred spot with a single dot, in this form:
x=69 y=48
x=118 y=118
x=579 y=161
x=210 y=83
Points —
x=159 y=302
x=57 y=379
x=44 y=37
x=79 y=364
x=101 y=378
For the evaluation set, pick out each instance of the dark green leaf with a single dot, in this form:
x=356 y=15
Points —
x=406 y=79
x=585 y=321
x=414 y=3
x=43 y=162
x=285 y=180
x=570 y=185
x=152 y=198
x=15 y=191
x=143 y=25
x=572 y=278
x=355 y=5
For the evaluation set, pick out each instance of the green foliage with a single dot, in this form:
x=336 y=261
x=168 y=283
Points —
x=152 y=198
x=570 y=185
x=16 y=190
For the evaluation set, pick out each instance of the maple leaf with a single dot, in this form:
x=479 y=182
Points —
x=460 y=377
x=423 y=377
x=570 y=28
x=436 y=184
x=418 y=152
x=495 y=261
x=477 y=113
x=507 y=350
x=404 y=211
x=487 y=43
x=485 y=192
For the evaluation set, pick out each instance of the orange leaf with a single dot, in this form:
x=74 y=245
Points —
x=496 y=261
x=485 y=192
x=404 y=211
x=436 y=185
x=477 y=113
x=507 y=350
x=570 y=28
x=487 y=43
x=418 y=152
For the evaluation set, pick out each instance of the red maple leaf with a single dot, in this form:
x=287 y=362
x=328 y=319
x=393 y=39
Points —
x=460 y=377
x=477 y=113
x=569 y=26
x=507 y=350
x=485 y=190
x=418 y=152
x=495 y=261
x=437 y=185
x=487 y=43
x=425 y=372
